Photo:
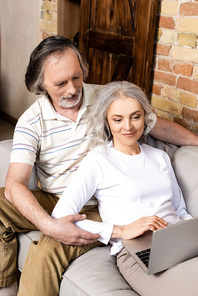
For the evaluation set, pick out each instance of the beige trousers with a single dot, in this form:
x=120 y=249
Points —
x=180 y=280
x=46 y=260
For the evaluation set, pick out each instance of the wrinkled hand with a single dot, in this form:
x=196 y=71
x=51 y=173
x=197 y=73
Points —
x=139 y=226
x=65 y=231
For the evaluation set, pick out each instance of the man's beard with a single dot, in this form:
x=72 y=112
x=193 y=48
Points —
x=71 y=100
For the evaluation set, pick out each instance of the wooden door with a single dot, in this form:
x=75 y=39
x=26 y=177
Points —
x=117 y=39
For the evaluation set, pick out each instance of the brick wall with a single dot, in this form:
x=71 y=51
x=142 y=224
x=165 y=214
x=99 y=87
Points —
x=175 y=69
x=48 y=19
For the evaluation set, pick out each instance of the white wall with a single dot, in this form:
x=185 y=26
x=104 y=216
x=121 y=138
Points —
x=19 y=34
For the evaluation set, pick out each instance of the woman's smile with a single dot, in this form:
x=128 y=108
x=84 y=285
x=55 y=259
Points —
x=129 y=135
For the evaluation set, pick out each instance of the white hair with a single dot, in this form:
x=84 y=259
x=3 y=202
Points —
x=96 y=121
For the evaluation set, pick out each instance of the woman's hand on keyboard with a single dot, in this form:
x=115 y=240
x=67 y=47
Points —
x=138 y=227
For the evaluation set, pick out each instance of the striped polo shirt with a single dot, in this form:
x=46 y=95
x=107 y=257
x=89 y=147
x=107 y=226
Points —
x=54 y=142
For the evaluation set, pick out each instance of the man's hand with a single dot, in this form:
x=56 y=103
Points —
x=65 y=231
x=62 y=230
x=138 y=227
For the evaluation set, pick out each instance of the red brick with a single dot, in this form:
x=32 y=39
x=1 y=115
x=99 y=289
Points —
x=190 y=114
x=182 y=122
x=183 y=69
x=162 y=49
x=166 y=22
x=188 y=84
x=165 y=78
x=165 y=65
x=156 y=89
x=189 y=9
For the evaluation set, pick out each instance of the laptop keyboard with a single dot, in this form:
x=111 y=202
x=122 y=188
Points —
x=144 y=256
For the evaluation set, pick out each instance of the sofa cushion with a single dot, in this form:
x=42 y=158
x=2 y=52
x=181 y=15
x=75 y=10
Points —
x=185 y=165
x=95 y=273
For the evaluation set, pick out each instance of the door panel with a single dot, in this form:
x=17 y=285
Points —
x=117 y=38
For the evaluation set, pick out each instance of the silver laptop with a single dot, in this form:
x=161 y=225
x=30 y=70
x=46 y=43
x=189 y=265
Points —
x=159 y=250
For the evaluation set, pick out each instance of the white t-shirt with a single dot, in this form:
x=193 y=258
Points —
x=126 y=187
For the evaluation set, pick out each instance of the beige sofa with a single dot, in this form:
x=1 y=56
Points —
x=95 y=273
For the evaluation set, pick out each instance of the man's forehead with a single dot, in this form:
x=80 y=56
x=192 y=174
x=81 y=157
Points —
x=62 y=66
x=56 y=57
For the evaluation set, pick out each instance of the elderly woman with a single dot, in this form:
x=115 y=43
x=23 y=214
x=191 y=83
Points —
x=134 y=184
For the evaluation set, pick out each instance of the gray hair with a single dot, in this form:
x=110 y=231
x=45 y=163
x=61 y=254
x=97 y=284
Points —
x=97 y=124
x=53 y=45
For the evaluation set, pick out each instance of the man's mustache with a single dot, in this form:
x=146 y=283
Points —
x=71 y=96
x=68 y=97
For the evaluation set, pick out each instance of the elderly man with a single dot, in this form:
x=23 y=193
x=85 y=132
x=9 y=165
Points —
x=52 y=133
